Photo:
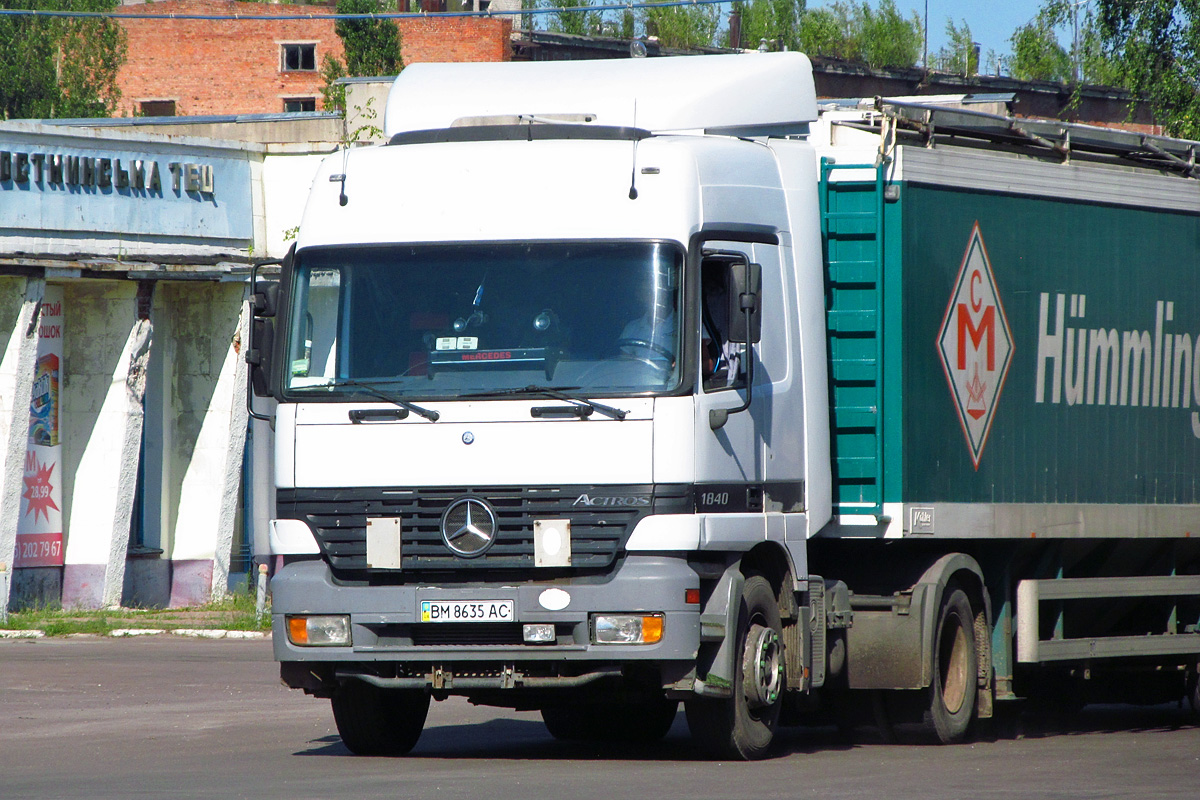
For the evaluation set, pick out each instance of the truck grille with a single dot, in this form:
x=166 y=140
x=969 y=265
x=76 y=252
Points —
x=598 y=531
x=452 y=634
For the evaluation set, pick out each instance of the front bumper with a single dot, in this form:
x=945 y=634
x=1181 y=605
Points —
x=386 y=627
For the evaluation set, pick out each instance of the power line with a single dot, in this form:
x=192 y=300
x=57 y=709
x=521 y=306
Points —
x=516 y=12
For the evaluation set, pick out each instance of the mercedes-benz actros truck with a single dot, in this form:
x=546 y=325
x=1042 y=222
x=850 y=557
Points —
x=606 y=387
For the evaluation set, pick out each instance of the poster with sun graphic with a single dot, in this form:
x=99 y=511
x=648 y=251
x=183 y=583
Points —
x=40 y=528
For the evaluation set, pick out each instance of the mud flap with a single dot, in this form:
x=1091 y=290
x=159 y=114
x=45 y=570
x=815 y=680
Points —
x=715 y=666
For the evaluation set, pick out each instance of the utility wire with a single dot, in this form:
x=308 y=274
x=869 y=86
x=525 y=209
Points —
x=516 y=12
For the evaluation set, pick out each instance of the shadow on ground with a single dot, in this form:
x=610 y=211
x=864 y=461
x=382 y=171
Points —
x=520 y=739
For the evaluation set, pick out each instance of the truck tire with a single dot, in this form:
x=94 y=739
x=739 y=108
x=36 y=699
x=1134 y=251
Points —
x=620 y=722
x=952 y=694
x=743 y=726
x=379 y=722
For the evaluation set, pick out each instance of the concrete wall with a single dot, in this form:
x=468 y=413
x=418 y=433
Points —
x=152 y=376
x=366 y=99
x=286 y=181
x=181 y=379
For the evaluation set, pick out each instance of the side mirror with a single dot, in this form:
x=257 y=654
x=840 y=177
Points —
x=265 y=300
x=260 y=352
x=745 y=295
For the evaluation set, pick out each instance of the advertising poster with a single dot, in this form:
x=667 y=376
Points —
x=40 y=528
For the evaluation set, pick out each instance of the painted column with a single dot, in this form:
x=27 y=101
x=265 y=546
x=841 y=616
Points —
x=233 y=419
x=19 y=302
x=108 y=350
x=207 y=436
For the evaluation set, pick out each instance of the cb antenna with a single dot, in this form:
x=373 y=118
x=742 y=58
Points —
x=633 y=192
x=341 y=177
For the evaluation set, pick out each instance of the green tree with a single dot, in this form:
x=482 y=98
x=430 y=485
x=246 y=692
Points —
x=880 y=37
x=1152 y=47
x=1086 y=54
x=826 y=32
x=333 y=94
x=574 y=20
x=371 y=46
x=772 y=21
x=959 y=55
x=1037 y=55
x=682 y=26
x=59 y=66
x=887 y=39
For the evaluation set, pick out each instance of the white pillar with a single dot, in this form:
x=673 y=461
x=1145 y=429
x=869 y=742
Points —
x=234 y=420
x=208 y=413
x=19 y=301
x=105 y=478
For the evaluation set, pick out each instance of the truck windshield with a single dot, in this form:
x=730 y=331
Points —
x=449 y=320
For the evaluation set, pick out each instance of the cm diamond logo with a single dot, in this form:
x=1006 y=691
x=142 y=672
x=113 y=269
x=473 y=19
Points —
x=975 y=344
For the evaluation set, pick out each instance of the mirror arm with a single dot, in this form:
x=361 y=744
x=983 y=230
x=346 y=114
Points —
x=250 y=402
x=717 y=417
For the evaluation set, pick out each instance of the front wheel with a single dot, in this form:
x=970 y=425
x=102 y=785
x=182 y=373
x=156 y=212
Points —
x=743 y=726
x=952 y=696
x=379 y=722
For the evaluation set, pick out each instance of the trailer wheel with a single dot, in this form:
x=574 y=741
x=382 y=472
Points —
x=952 y=694
x=379 y=722
x=743 y=726
x=620 y=722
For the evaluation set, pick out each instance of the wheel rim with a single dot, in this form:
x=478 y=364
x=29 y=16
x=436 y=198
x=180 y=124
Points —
x=762 y=667
x=955 y=668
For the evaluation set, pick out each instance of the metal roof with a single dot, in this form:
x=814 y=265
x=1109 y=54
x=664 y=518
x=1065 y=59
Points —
x=1064 y=139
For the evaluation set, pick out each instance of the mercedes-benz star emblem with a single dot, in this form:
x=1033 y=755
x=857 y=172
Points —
x=469 y=527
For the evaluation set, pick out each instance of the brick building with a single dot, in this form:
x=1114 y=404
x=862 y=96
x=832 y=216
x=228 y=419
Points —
x=196 y=67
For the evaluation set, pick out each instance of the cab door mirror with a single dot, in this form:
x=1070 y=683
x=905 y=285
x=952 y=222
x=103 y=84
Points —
x=258 y=355
x=264 y=306
x=744 y=280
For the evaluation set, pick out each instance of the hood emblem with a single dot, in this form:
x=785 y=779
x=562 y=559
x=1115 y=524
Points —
x=469 y=527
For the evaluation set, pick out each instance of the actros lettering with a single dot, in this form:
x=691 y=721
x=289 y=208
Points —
x=1105 y=366
x=631 y=500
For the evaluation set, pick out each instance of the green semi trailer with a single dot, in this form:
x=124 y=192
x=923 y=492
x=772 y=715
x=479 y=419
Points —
x=1014 y=329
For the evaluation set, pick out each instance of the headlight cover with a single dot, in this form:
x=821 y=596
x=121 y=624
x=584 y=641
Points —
x=627 y=628
x=330 y=630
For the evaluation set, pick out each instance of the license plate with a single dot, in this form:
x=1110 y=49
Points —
x=466 y=611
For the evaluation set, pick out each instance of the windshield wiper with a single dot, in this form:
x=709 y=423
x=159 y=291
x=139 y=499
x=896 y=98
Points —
x=372 y=390
x=557 y=394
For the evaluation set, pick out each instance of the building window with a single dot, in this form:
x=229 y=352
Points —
x=291 y=104
x=299 y=57
x=156 y=108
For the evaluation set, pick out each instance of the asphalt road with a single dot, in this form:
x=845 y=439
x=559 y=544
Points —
x=165 y=717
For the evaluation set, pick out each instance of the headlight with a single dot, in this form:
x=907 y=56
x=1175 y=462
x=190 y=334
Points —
x=627 y=628
x=322 y=631
x=538 y=633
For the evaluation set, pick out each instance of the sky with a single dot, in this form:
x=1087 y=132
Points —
x=992 y=22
